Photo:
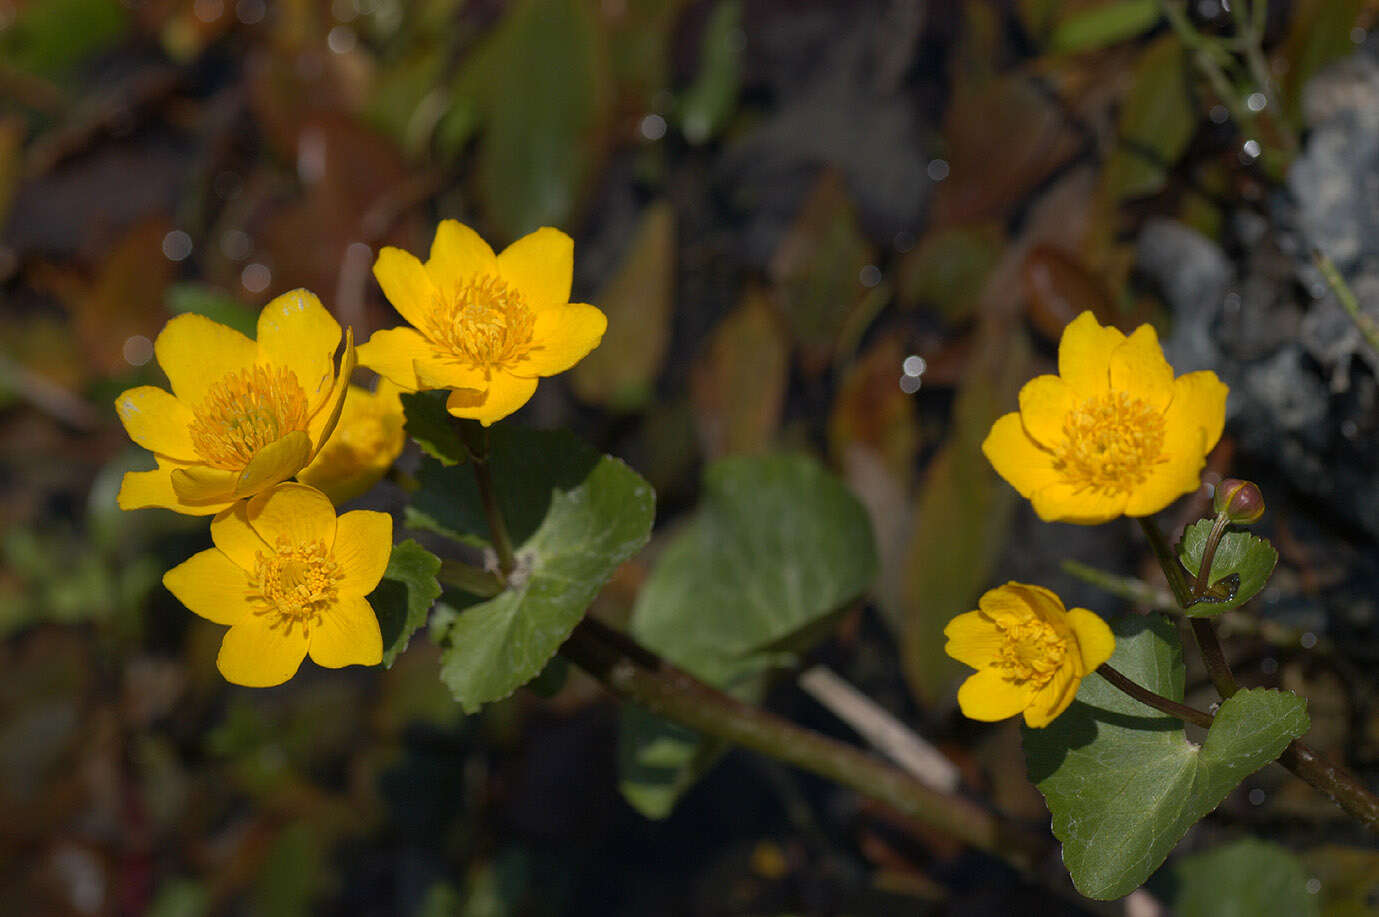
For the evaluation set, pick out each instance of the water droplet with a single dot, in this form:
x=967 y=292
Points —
x=177 y=245
x=1308 y=640
x=1257 y=797
x=1314 y=885
x=1249 y=150
x=137 y=350
x=909 y=384
x=235 y=244
x=1256 y=101
x=341 y=39
x=869 y=276
x=938 y=169
x=208 y=10
x=914 y=365
x=250 y=12
x=653 y=127
x=1219 y=114
x=256 y=277
x=1268 y=665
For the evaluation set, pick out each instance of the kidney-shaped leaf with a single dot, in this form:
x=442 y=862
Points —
x=1122 y=780
x=573 y=515
x=777 y=545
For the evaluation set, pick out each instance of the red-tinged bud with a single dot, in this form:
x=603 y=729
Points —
x=1240 y=500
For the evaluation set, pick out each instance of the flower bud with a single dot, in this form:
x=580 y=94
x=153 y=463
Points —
x=1240 y=500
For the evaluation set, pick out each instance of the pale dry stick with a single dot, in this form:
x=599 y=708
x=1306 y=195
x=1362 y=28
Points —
x=883 y=731
x=47 y=396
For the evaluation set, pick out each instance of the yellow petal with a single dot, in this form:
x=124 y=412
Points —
x=256 y=656
x=273 y=464
x=1084 y=355
x=211 y=585
x=438 y=369
x=1095 y=642
x=322 y=423
x=232 y=534
x=199 y=485
x=988 y=697
x=505 y=394
x=561 y=337
x=1045 y=603
x=540 y=264
x=145 y=489
x=1139 y=369
x=363 y=545
x=1199 y=399
x=295 y=512
x=347 y=634
x=157 y=421
x=1045 y=403
x=407 y=285
x=297 y=332
x=1180 y=473
x=196 y=353
x=1051 y=700
x=1017 y=458
x=393 y=353
x=973 y=639
x=457 y=254
x=1061 y=502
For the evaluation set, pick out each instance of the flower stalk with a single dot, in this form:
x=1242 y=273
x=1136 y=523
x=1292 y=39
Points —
x=476 y=440
x=635 y=674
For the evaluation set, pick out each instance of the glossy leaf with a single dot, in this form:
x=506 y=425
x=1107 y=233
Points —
x=404 y=596
x=1104 y=25
x=1240 y=568
x=430 y=424
x=1123 y=782
x=712 y=97
x=777 y=546
x=573 y=516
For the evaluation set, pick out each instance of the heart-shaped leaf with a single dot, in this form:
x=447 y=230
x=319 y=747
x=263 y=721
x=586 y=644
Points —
x=1122 y=780
x=404 y=596
x=1239 y=569
x=430 y=424
x=776 y=546
x=573 y=515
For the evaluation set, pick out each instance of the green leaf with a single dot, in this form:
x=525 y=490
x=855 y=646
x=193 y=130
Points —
x=1248 y=878
x=777 y=545
x=50 y=39
x=712 y=97
x=1156 y=122
x=404 y=596
x=430 y=424
x=1123 y=782
x=1104 y=25
x=542 y=88
x=1239 y=569
x=573 y=515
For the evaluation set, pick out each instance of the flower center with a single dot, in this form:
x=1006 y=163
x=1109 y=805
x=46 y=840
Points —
x=1110 y=443
x=294 y=585
x=484 y=322
x=1031 y=649
x=246 y=411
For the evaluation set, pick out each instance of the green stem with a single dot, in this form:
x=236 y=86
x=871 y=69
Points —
x=1347 y=299
x=476 y=440
x=1332 y=780
x=470 y=578
x=637 y=675
x=1202 y=582
x=1134 y=591
x=1157 y=701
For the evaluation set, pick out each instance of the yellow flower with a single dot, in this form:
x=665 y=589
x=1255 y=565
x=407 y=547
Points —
x=366 y=441
x=290 y=579
x=243 y=415
x=484 y=326
x=1030 y=654
x=1113 y=433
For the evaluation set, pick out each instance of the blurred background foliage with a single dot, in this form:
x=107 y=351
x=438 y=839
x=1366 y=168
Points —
x=852 y=229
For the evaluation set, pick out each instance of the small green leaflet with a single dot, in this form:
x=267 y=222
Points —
x=1240 y=568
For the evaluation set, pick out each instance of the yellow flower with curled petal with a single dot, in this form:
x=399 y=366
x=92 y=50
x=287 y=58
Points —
x=289 y=578
x=243 y=415
x=1030 y=653
x=1114 y=433
x=366 y=442
x=484 y=326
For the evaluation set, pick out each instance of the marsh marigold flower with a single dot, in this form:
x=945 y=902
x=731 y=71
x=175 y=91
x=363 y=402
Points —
x=243 y=415
x=289 y=577
x=1029 y=652
x=366 y=442
x=484 y=326
x=1113 y=433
